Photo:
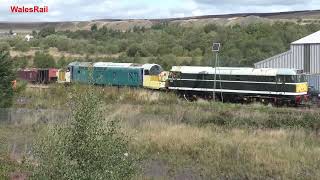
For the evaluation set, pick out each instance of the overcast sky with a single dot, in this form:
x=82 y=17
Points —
x=78 y=10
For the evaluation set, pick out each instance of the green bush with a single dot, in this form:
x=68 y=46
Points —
x=20 y=62
x=22 y=46
x=4 y=46
x=62 y=62
x=86 y=147
x=46 y=31
x=7 y=75
x=43 y=60
x=136 y=48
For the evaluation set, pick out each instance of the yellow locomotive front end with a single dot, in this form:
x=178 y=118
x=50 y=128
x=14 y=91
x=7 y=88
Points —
x=154 y=77
x=302 y=88
x=63 y=76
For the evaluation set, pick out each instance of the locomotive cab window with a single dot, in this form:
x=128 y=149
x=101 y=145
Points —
x=300 y=78
x=175 y=75
x=281 y=79
x=146 y=72
x=238 y=78
x=286 y=79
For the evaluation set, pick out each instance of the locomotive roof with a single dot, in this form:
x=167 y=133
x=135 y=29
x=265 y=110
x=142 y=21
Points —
x=233 y=71
x=150 y=66
x=111 y=64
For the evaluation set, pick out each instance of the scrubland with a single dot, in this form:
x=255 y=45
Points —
x=175 y=139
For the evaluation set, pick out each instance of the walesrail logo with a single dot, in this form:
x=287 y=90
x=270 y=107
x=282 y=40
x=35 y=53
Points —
x=34 y=9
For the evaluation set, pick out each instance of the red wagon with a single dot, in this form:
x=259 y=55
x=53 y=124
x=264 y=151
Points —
x=29 y=75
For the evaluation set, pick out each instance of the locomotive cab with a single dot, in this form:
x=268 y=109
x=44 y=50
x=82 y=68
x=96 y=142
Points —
x=153 y=76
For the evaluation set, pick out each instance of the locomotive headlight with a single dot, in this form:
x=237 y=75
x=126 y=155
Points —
x=303 y=87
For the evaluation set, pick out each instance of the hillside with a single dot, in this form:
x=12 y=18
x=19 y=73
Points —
x=301 y=17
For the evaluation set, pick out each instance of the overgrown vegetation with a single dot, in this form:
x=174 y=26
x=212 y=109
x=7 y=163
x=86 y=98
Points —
x=175 y=138
x=86 y=147
x=44 y=60
x=7 y=74
x=170 y=44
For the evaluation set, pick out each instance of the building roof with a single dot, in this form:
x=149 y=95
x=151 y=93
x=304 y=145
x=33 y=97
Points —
x=234 y=71
x=311 y=39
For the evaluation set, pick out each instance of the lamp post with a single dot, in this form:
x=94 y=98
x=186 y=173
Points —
x=215 y=49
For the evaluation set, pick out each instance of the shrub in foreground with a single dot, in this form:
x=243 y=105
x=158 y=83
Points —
x=86 y=147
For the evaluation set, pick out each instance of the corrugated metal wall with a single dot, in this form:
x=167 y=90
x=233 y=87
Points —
x=281 y=60
x=314 y=80
x=315 y=59
x=297 y=57
x=294 y=59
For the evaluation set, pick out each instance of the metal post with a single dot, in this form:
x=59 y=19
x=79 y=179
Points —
x=215 y=77
x=216 y=49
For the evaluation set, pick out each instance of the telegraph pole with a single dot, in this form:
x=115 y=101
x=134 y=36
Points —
x=215 y=49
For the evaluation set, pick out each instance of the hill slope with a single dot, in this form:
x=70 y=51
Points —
x=303 y=17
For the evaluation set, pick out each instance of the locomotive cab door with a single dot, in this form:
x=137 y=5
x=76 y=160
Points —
x=280 y=83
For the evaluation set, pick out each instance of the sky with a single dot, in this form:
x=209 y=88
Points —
x=82 y=10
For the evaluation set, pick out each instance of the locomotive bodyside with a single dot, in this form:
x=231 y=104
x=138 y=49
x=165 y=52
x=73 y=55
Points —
x=118 y=76
x=279 y=85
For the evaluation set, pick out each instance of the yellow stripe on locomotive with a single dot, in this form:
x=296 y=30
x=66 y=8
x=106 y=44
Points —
x=151 y=81
x=155 y=81
x=302 y=87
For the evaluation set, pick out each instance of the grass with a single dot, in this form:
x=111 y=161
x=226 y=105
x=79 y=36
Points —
x=215 y=152
x=178 y=139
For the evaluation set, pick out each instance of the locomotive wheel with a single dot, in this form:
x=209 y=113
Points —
x=190 y=98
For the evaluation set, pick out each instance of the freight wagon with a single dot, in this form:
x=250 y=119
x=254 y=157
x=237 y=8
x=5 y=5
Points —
x=29 y=75
x=41 y=76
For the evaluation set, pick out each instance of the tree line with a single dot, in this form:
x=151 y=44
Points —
x=171 y=44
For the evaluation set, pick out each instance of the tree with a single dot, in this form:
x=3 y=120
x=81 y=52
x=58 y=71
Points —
x=210 y=27
x=43 y=60
x=86 y=146
x=47 y=31
x=137 y=58
x=34 y=33
x=62 y=62
x=7 y=75
x=167 y=61
x=133 y=49
x=197 y=52
x=178 y=51
x=94 y=28
x=22 y=46
x=4 y=46
x=20 y=62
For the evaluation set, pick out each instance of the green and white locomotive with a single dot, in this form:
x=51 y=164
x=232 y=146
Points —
x=276 y=86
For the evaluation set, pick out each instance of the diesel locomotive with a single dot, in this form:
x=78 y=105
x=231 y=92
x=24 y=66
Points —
x=276 y=86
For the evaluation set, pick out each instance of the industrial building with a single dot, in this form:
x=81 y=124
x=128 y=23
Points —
x=304 y=54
